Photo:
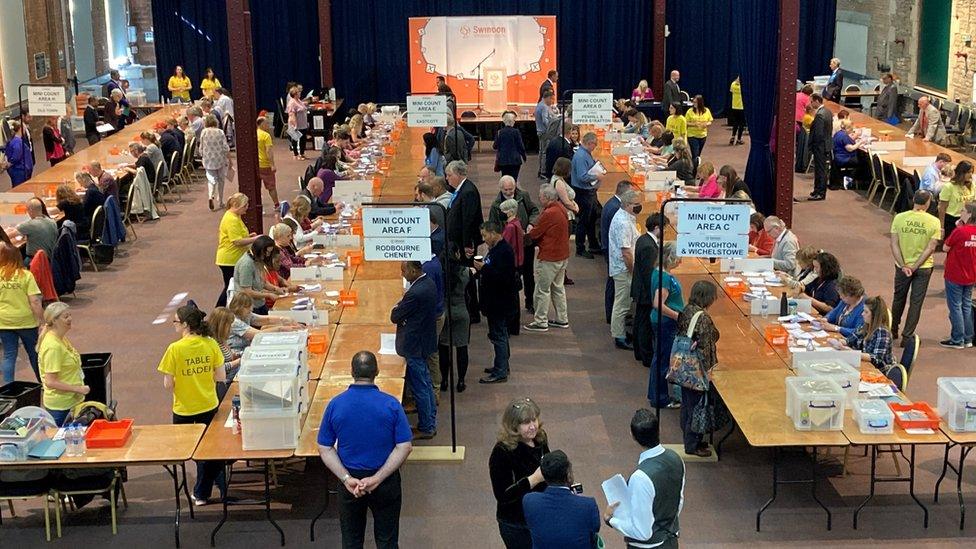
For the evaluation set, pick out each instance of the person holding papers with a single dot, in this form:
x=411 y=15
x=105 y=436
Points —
x=558 y=518
x=873 y=338
x=646 y=509
x=586 y=178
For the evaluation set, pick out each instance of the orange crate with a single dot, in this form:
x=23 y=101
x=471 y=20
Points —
x=354 y=257
x=388 y=149
x=318 y=343
x=776 y=335
x=349 y=298
x=108 y=434
x=377 y=185
x=20 y=209
x=356 y=230
x=931 y=420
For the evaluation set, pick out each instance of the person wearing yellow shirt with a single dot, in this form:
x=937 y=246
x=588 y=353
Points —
x=233 y=239
x=209 y=83
x=266 y=161
x=676 y=123
x=737 y=114
x=914 y=236
x=191 y=368
x=954 y=195
x=20 y=310
x=61 y=375
x=699 y=119
x=179 y=85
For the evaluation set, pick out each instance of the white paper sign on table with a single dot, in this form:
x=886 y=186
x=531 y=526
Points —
x=387 y=344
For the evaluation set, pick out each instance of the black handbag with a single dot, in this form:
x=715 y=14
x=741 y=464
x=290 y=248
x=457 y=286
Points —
x=709 y=415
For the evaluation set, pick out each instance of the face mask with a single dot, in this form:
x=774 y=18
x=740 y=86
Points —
x=638 y=208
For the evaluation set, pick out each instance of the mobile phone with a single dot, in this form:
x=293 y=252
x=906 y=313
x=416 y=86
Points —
x=576 y=488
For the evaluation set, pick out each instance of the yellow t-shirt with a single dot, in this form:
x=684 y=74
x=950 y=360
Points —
x=677 y=125
x=192 y=361
x=264 y=146
x=915 y=230
x=15 y=311
x=177 y=82
x=736 y=89
x=691 y=116
x=956 y=196
x=208 y=86
x=57 y=356
x=232 y=229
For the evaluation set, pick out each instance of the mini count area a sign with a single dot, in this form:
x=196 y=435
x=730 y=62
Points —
x=713 y=230
x=427 y=110
x=396 y=234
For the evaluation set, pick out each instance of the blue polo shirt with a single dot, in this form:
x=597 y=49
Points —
x=841 y=154
x=367 y=424
x=580 y=176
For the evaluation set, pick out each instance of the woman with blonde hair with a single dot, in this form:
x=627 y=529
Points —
x=247 y=323
x=357 y=128
x=297 y=112
x=953 y=195
x=514 y=468
x=708 y=181
x=20 y=313
x=805 y=272
x=681 y=161
x=220 y=322
x=233 y=240
x=642 y=92
x=297 y=219
x=60 y=364
x=638 y=124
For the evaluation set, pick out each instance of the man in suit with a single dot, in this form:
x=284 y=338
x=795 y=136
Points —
x=559 y=147
x=887 y=107
x=672 y=92
x=820 y=141
x=545 y=113
x=464 y=219
x=499 y=291
x=313 y=192
x=549 y=84
x=645 y=259
x=928 y=125
x=610 y=210
x=785 y=245
x=415 y=316
x=558 y=518
x=835 y=84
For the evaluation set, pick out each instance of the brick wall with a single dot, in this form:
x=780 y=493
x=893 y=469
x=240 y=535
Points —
x=45 y=34
x=961 y=69
x=140 y=16
x=888 y=21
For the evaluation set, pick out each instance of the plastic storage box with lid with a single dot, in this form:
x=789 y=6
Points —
x=18 y=435
x=278 y=355
x=297 y=340
x=270 y=430
x=815 y=403
x=957 y=402
x=267 y=387
x=847 y=376
x=873 y=416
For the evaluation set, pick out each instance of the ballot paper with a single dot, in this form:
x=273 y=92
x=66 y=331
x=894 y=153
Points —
x=615 y=489
x=387 y=344
x=755 y=280
x=819 y=333
x=597 y=169
x=732 y=279
x=805 y=316
x=751 y=274
x=310 y=287
x=332 y=293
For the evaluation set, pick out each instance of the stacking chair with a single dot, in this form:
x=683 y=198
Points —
x=877 y=175
x=684 y=96
x=163 y=182
x=852 y=102
x=156 y=187
x=98 y=220
x=9 y=491
x=175 y=170
x=187 y=163
x=95 y=487
x=309 y=174
x=127 y=212
x=910 y=355
x=958 y=130
x=889 y=182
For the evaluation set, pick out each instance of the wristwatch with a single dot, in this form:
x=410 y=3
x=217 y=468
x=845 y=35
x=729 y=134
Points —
x=345 y=478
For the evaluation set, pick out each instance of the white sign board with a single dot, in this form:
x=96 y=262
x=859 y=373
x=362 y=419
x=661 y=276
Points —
x=427 y=110
x=713 y=245
x=352 y=191
x=396 y=222
x=397 y=249
x=592 y=108
x=728 y=219
x=46 y=100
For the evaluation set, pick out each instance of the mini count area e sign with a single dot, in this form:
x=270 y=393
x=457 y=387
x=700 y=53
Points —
x=396 y=234
x=427 y=111
x=713 y=230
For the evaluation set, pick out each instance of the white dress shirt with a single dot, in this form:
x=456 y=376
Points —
x=640 y=522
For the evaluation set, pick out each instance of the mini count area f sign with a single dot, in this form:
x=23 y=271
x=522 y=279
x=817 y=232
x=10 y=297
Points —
x=396 y=234
x=713 y=230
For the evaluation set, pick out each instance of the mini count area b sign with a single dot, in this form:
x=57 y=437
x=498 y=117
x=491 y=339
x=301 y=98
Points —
x=396 y=234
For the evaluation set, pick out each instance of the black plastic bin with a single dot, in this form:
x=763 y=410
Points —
x=97 y=370
x=7 y=407
x=26 y=393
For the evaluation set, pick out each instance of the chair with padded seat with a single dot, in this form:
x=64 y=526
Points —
x=39 y=488
x=877 y=174
x=89 y=486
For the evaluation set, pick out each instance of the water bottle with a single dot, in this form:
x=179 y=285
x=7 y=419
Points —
x=765 y=307
x=810 y=346
x=784 y=307
x=235 y=404
x=71 y=440
x=315 y=313
x=732 y=266
x=81 y=444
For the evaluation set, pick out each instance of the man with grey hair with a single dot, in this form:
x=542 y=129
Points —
x=40 y=231
x=464 y=219
x=785 y=245
x=622 y=240
x=928 y=125
x=551 y=235
x=527 y=213
x=194 y=115
x=835 y=83
x=106 y=183
x=138 y=151
x=585 y=181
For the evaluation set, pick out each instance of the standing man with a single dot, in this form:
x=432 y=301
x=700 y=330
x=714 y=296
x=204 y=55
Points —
x=623 y=238
x=434 y=270
x=646 y=251
x=558 y=518
x=549 y=84
x=657 y=490
x=835 y=84
x=551 y=234
x=528 y=214
x=820 y=141
x=586 y=185
x=606 y=217
x=672 y=92
x=545 y=113
x=364 y=438
x=266 y=162
x=887 y=107
x=415 y=316
x=559 y=147
x=498 y=276
x=914 y=236
x=929 y=123
x=457 y=141
x=464 y=219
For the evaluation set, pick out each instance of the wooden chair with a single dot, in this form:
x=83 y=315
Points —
x=114 y=487
x=98 y=219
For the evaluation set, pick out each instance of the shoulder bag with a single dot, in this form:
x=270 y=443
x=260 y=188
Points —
x=686 y=369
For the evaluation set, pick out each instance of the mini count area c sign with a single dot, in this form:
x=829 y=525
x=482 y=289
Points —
x=396 y=234
x=713 y=230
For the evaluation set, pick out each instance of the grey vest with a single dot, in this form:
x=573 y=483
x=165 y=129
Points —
x=667 y=472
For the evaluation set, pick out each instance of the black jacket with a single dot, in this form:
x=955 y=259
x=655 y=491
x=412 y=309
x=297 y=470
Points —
x=557 y=148
x=415 y=317
x=511 y=149
x=91 y=120
x=169 y=144
x=499 y=281
x=464 y=217
x=672 y=94
x=645 y=258
x=821 y=128
x=318 y=207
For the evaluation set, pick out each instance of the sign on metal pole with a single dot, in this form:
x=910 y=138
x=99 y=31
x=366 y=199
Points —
x=397 y=249
x=46 y=100
x=593 y=108
x=427 y=110
x=396 y=234
x=713 y=230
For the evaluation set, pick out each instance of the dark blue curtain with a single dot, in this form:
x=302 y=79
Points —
x=758 y=58
x=192 y=34
x=818 y=20
x=600 y=43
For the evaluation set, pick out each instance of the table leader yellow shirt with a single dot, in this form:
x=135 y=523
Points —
x=184 y=87
x=207 y=86
x=232 y=229
x=15 y=292
x=694 y=118
x=915 y=230
x=57 y=356
x=677 y=125
x=192 y=361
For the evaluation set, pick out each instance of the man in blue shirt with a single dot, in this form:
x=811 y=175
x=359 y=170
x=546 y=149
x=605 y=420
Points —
x=544 y=114
x=364 y=438
x=932 y=177
x=586 y=184
x=557 y=518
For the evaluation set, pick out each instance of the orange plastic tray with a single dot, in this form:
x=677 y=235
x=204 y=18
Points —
x=930 y=422
x=348 y=297
x=355 y=257
x=776 y=335
x=317 y=344
x=108 y=434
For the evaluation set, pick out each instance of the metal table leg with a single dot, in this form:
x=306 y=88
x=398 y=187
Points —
x=311 y=528
x=945 y=467
x=910 y=480
x=718 y=447
x=813 y=487
x=176 y=496
x=775 y=485
x=267 y=499
x=812 y=481
x=874 y=463
x=223 y=518
x=911 y=489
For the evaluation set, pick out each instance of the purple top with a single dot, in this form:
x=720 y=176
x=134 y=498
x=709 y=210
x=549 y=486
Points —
x=328 y=177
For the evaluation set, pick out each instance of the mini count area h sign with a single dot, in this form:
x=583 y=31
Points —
x=396 y=234
x=713 y=230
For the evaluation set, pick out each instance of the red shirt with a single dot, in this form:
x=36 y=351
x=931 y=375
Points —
x=514 y=234
x=551 y=233
x=960 y=263
x=762 y=241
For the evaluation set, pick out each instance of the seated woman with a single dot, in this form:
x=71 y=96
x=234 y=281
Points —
x=298 y=219
x=654 y=143
x=433 y=158
x=846 y=318
x=732 y=186
x=329 y=173
x=247 y=323
x=289 y=256
x=823 y=290
x=271 y=275
x=642 y=92
x=681 y=161
x=873 y=338
x=637 y=124
x=804 y=264
x=760 y=242
x=845 y=147
x=73 y=209
x=708 y=182
x=220 y=321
